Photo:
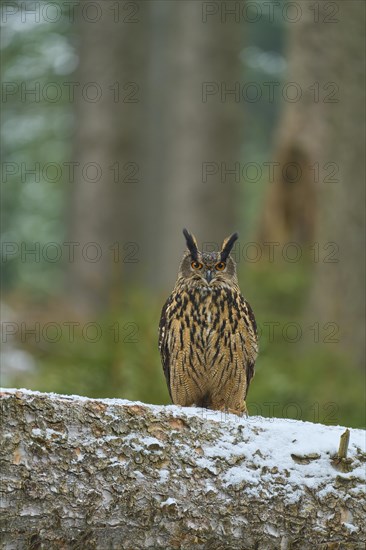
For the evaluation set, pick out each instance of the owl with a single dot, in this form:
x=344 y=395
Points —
x=207 y=334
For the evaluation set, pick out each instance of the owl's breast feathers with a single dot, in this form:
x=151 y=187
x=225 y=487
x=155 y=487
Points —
x=208 y=345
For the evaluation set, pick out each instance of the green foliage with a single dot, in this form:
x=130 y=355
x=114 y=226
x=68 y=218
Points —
x=300 y=373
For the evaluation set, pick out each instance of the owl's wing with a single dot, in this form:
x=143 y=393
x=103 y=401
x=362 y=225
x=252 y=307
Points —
x=251 y=339
x=163 y=341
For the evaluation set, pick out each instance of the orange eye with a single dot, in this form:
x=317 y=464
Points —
x=220 y=266
x=196 y=265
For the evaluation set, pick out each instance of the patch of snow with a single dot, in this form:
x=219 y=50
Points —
x=238 y=474
x=163 y=476
x=30 y=510
x=150 y=441
x=168 y=502
x=206 y=464
x=276 y=443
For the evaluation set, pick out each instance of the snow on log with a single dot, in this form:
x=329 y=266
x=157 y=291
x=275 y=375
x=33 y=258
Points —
x=104 y=473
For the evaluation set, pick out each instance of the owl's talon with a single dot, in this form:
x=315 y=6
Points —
x=238 y=412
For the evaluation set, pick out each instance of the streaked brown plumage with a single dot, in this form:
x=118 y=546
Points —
x=207 y=332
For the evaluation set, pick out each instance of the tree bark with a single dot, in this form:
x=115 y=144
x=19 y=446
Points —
x=83 y=473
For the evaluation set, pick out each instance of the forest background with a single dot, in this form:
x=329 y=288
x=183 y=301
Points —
x=124 y=122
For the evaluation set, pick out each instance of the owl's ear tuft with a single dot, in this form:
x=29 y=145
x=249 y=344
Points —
x=227 y=246
x=191 y=244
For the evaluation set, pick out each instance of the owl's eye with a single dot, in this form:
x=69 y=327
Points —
x=220 y=266
x=196 y=265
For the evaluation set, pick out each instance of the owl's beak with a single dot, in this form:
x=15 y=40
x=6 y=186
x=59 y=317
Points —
x=209 y=275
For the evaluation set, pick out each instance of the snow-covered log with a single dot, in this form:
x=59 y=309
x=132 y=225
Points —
x=112 y=474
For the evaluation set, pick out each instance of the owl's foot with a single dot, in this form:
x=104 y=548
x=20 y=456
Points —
x=241 y=411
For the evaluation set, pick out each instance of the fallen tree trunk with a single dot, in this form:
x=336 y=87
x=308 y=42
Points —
x=88 y=473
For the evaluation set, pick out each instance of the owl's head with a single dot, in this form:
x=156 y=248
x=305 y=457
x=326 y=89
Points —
x=208 y=268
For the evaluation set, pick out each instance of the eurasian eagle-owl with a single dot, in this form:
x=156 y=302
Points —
x=207 y=332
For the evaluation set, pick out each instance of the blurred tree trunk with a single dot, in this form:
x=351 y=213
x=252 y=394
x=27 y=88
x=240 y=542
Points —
x=322 y=138
x=189 y=129
x=108 y=147
x=170 y=132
